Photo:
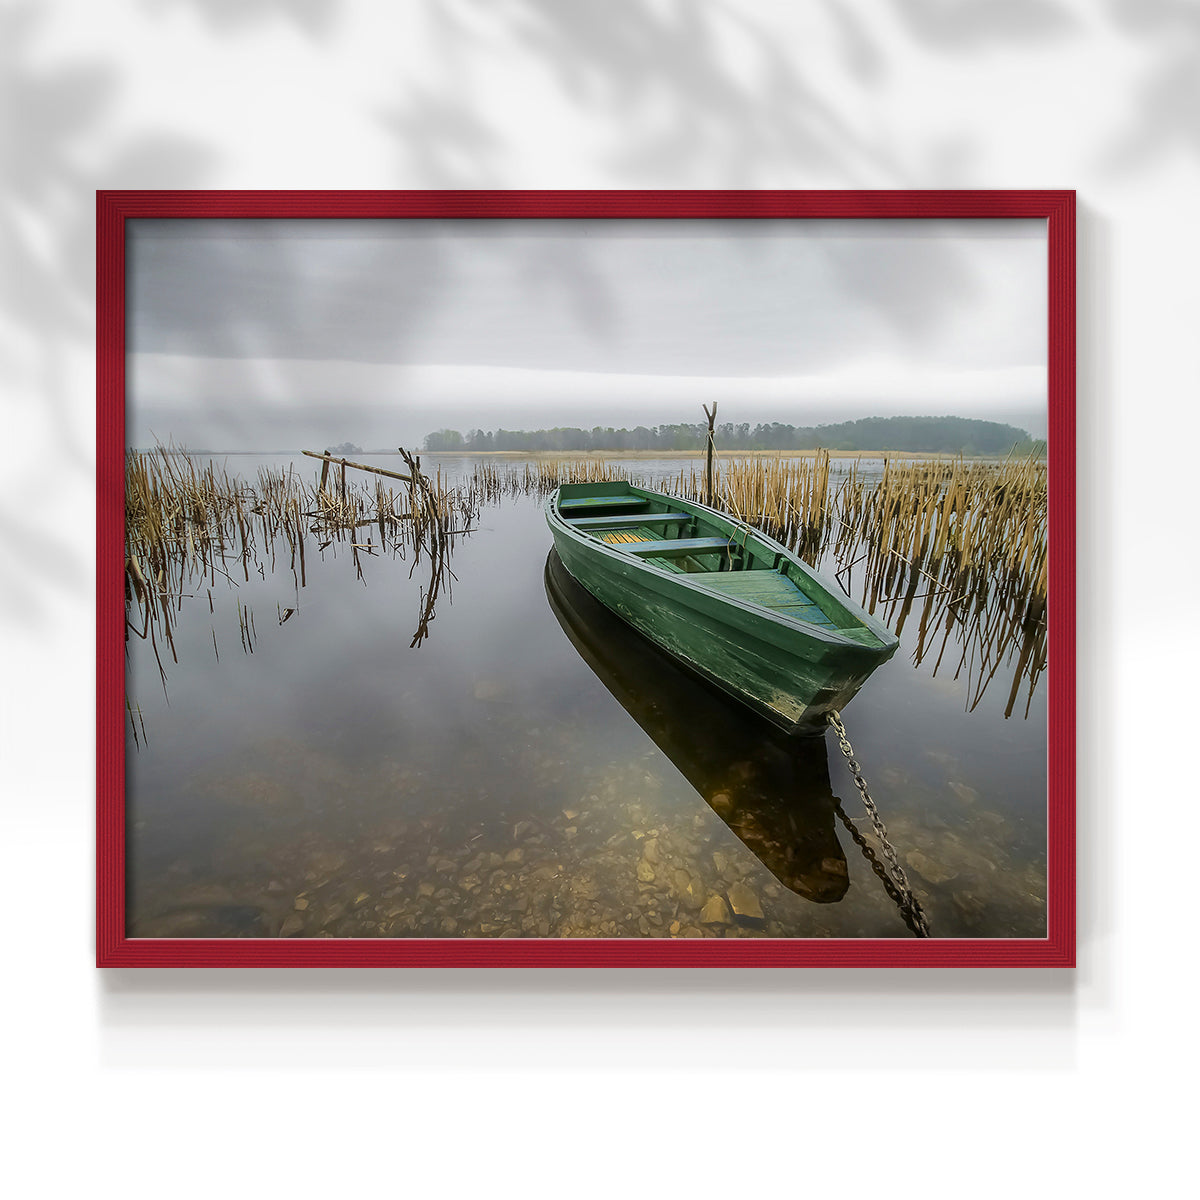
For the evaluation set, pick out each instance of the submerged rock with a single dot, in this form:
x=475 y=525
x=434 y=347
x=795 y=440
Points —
x=716 y=912
x=327 y=862
x=745 y=905
x=688 y=888
x=929 y=868
x=721 y=802
x=968 y=795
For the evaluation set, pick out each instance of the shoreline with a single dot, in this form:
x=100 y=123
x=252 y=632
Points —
x=560 y=455
x=599 y=455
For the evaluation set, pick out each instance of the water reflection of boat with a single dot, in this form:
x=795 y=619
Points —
x=772 y=790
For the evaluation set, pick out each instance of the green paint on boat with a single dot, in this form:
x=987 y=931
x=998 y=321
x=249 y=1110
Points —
x=726 y=600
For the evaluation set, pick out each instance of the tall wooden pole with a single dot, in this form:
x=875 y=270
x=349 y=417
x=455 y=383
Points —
x=712 y=416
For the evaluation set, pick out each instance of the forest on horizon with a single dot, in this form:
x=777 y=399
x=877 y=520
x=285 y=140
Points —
x=934 y=435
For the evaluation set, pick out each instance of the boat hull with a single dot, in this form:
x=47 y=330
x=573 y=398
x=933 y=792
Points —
x=789 y=672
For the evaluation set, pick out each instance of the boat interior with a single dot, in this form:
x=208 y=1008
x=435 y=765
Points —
x=739 y=566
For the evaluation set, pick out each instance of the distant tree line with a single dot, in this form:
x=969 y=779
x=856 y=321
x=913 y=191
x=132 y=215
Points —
x=934 y=435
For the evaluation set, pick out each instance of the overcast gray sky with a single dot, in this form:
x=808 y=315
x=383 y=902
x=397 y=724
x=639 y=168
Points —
x=283 y=334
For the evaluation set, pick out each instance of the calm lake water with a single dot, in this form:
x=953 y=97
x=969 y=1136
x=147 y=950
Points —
x=534 y=769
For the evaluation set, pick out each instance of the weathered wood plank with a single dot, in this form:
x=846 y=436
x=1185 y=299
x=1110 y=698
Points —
x=345 y=462
x=622 y=536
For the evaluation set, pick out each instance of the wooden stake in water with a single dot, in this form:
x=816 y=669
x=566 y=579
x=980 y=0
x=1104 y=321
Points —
x=712 y=416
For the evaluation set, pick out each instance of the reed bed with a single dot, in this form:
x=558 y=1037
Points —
x=980 y=515
x=190 y=525
x=491 y=481
x=984 y=519
x=972 y=536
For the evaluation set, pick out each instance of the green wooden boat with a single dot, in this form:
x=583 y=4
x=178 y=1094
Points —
x=729 y=602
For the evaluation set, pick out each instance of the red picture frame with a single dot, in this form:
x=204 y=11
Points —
x=115 y=949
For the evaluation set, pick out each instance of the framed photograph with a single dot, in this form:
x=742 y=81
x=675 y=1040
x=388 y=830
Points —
x=585 y=579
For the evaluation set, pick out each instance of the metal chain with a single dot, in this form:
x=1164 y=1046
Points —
x=868 y=852
x=910 y=906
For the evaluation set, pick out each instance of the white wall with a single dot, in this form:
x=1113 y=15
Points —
x=942 y=1083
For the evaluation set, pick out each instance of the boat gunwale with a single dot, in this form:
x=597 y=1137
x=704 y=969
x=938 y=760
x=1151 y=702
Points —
x=887 y=641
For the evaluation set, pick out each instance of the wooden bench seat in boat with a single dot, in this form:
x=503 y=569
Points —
x=667 y=518
x=586 y=502
x=767 y=588
x=676 y=547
